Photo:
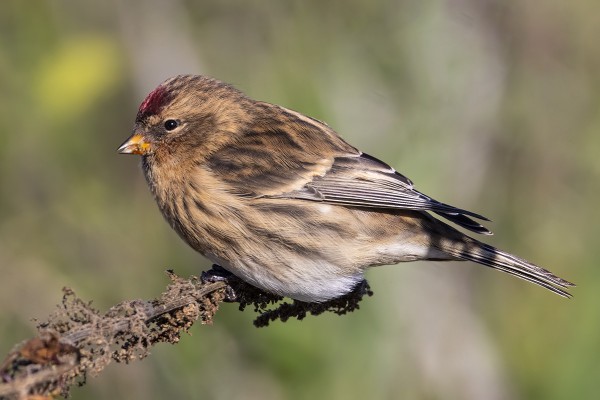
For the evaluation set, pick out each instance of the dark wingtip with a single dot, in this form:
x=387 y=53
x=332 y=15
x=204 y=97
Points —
x=475 y=215
x=466 y=222
x=565 y=283
x=565 y=295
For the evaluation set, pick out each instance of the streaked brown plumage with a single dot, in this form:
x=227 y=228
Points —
x=281 y=201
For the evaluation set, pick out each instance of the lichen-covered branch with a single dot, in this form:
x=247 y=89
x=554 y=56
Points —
x=77 y=340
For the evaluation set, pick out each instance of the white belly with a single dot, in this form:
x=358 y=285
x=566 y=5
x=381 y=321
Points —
x=309 y=281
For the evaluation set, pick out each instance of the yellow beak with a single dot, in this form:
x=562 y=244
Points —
x=135 y=145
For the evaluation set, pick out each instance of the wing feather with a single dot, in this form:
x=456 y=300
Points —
x=313 y=163
x=360 y=180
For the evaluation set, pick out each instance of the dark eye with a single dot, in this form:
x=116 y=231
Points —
x=171 y=124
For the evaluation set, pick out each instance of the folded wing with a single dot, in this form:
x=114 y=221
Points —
x=360 y=180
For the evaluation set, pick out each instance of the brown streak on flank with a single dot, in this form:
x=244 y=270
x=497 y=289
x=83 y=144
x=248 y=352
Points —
x=298 y=247
x=283 y=209
x=201 y=207
x=221 y=239
x=186 y=208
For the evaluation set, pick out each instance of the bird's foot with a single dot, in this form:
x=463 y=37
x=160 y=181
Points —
x=220 y=274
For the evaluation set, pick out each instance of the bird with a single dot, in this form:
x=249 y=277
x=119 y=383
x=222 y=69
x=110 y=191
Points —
x=283 y=202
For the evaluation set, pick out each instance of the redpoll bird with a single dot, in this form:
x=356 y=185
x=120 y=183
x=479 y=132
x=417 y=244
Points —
x=284 y=203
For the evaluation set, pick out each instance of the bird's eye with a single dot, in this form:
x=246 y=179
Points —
x=171 y=124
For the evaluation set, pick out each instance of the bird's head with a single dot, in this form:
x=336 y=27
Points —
x=183 y=112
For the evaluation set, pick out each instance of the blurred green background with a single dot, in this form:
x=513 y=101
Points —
x=491 y=105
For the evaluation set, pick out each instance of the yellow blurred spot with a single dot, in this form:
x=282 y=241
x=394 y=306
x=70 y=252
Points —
x=77 y=75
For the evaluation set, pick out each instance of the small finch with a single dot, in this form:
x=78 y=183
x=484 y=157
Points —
x=280 y=200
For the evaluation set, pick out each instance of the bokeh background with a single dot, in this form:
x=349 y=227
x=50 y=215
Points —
x=489 y=105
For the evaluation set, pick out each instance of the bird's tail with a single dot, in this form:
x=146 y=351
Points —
x=472 y=250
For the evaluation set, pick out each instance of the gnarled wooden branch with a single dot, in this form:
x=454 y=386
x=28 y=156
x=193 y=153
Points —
x=77 y=340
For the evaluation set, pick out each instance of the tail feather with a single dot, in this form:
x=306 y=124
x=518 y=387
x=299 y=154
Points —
x=481 y=253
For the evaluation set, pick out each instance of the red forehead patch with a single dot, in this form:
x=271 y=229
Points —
x=153 y=102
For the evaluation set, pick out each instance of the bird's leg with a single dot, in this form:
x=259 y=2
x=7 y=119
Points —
x=220 y=274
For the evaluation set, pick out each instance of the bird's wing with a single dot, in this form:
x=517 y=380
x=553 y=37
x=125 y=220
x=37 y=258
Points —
x=294 y=156
x=361 y=180
x=278 y=153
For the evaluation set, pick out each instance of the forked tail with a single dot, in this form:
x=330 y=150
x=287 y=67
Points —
x=481 y=253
